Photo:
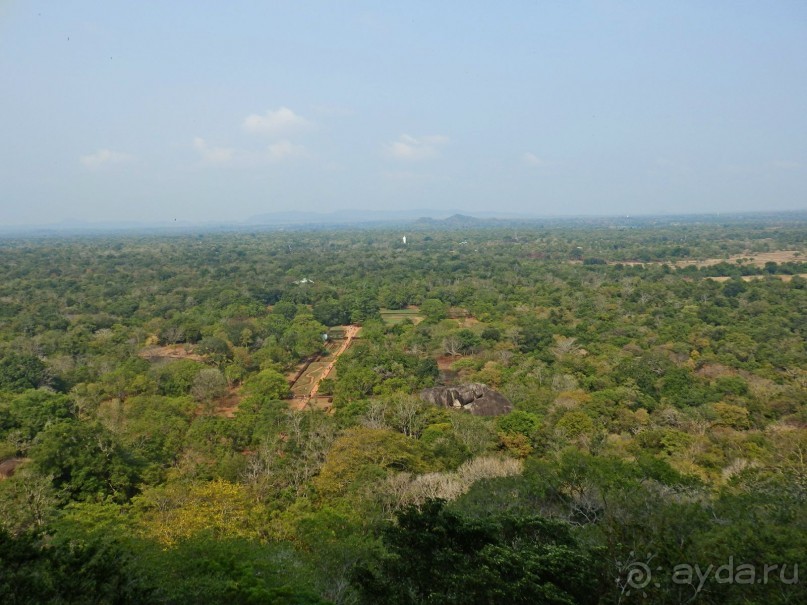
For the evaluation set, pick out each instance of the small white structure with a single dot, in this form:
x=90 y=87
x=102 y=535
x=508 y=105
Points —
x=404 y=239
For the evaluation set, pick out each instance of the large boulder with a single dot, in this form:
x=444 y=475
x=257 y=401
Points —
x=8 y=467
x=475 y=398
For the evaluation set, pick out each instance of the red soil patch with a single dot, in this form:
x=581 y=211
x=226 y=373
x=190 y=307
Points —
x=179 y=351
x=227 y=406
x=320 y=403
x=784 y=278
x=715 y=370
x=748 y=259
x=755 y=259
x=752 y=259
x=444 y=362
x=298 y=403
x=468 y=322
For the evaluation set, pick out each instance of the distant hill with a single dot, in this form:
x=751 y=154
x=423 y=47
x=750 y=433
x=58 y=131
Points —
x=460 y=220
x=456 y=221
x=346 y=217
x=417 y=217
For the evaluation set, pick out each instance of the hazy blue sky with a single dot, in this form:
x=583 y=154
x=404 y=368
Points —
x=137 y=110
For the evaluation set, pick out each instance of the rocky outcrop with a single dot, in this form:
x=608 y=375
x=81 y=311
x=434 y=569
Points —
x=7 y=467
x=475 y=398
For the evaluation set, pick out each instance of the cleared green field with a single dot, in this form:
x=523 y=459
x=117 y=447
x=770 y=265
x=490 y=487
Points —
x=396 y=316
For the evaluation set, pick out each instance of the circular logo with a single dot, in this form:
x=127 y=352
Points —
x=638 y=575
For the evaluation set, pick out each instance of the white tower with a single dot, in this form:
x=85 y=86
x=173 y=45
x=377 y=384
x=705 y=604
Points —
x=403 y=239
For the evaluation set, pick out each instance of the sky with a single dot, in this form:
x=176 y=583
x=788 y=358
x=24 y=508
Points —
x=210 y=111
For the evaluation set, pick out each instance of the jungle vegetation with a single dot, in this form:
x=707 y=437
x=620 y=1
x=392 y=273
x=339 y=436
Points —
x=660 y=415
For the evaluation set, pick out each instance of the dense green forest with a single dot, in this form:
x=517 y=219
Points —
x=658 y=372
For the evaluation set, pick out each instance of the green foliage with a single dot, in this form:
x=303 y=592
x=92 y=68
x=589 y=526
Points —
x=176 y=378
x=362 y=455
x=331 y=313
x=175 y=511
x=443 y=446
x=574 y=424
x=519 y=421
x=156 y=428
x=534 y=336
x=732 y=416
x=331 y=541
x=212 y=449
x=19 y=372
x=216 y=349
x=28 y=501
x=658 y=410
x=85 y=461
x=370 y=368
x=203 y=570
x=434 y=310
x=437 y=556
x=36 y=570
x=681 y=388
x=469 y=341
x=267 y=385
x=32 y=410
x=208 y=384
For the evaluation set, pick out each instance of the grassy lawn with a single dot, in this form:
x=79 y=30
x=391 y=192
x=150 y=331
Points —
x=393 y=317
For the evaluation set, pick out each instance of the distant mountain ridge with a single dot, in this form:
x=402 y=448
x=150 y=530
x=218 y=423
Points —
x=418 y=218
x=364 y=216
x=462 y=219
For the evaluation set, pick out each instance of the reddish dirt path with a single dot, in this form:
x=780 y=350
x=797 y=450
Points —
x=301 y=402
x=350 y=334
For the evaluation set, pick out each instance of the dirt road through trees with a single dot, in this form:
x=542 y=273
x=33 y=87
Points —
x=301 y=401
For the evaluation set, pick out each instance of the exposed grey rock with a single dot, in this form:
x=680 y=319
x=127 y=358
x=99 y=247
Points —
x=475 y=398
